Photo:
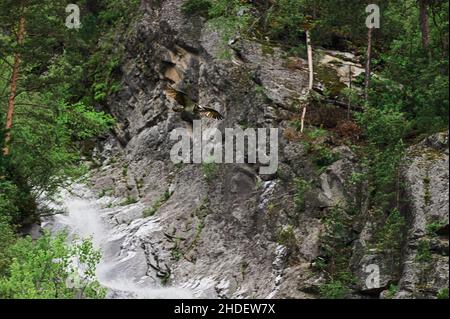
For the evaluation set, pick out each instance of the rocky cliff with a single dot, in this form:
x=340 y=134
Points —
x=227 y=231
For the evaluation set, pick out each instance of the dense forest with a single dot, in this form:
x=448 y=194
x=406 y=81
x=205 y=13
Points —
x=55 y=82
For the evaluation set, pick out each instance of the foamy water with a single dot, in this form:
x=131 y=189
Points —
x=123 y=269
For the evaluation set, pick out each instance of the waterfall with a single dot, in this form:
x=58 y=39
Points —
x=123 y=269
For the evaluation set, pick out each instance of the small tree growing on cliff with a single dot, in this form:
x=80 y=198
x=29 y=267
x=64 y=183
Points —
x=372 y=21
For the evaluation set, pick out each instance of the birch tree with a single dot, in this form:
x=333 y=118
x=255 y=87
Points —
x=307 y=26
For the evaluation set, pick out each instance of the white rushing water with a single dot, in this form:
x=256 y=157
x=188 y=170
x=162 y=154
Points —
x=123 y=269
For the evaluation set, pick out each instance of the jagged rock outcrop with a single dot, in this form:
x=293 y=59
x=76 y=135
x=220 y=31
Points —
x=227 y=231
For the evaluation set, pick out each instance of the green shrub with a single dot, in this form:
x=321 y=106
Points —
x=210 y=171
x=129 y=201
x=443 y=293
x=390 y=236
x=286 y=237
x=316 y=133
x=176 y=250
x=423 y=251
x=334 y=289
x=323 y=156
x=382 y=127
x=7 y=238
x=336 y=254
x=284 y=19
x=196 y=7
x=125 y=171
x=434 y=227
x=392 y=291
x=9 y=197
x=302 y=187
x=44 y=269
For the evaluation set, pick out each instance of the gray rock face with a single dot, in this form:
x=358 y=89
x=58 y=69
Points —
x=420 y=268
x=228 y=231
x=426 y=177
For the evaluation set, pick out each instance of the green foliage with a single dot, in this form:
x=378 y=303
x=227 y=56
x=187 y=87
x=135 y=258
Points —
x=390 y=236
x=51 y=122
x=420 y=90
x=176 y=250
x=356 y=178
x=128 y=201
x=286 y=237
x=334 y=289
x=423 y=251
x=125 y=171
x=7 y=238
x=377 y=122
x=54 y=117
x=196 y=7
x=316 y=133
x=210 y=171
x=434 y=227
x=111 y=21
x=117 y=13
x=323 y=156
x=320 y=264
x=9 y=199
x=230 y=17
x=335 y=26
x=106 y=191
x=392 y=291
x=337 y=225
x=284 y=18
x=336 y=254
x=384 y=152
x=83 y=121
x=443 y=293
x=321 y=152
x=299 y=50
x=302 y=187
x=51 y=269
x=44 y=148
x=259 y=89
x=411 y=85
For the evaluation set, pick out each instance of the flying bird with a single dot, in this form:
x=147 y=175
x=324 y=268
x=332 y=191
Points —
x=189 y=109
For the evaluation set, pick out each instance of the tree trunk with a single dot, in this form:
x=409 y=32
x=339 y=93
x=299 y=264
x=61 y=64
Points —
x=311 y=74
x=424 y=25
x=310 y=60
x=368 y=61
x=350 y=84
x=302 y=121
x=12 y=94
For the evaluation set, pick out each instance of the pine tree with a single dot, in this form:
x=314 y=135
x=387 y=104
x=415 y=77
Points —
x=32 y=32
x=424 y=25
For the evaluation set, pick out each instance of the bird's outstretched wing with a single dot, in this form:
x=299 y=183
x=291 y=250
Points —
x=209 y=113
x=180 y=97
